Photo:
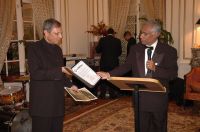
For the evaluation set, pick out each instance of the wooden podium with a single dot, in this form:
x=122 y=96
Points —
x=144 y=84
x=137 y=85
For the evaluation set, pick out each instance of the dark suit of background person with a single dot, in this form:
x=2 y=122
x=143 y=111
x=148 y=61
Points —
x=47 y=80
x=110 y=49
x=153 y=106
x=131 y=42
x=130 y=39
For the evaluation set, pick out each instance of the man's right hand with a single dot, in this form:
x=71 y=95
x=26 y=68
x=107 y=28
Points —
x=103 y=75
x=66 y=71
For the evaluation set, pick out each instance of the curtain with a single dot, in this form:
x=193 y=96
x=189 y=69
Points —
x=153 y=9
x=118 y=12
x=42 y=10
x=118 y=15
x=7 y=12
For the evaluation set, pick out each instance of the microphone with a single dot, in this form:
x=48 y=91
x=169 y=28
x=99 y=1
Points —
x=149 y=52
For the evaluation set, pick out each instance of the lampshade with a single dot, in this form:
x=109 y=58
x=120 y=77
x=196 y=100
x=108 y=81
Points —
x=198 y=22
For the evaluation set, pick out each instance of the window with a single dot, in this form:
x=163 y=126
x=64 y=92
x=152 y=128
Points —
x=14 y=63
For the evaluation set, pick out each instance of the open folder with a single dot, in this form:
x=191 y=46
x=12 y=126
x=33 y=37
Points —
x=143 y=84
x=85 y=74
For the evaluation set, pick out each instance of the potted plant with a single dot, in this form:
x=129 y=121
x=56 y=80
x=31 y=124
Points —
x=98 y=30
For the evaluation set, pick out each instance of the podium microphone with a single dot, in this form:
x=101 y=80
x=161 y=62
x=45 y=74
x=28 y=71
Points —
x=149 y=52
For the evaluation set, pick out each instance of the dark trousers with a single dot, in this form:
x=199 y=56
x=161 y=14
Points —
x=153 y=121
x=107 y=86
x=152 y=113
x=47 y=124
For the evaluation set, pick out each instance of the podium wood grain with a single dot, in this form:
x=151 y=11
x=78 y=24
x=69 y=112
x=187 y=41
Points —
x=144 y=84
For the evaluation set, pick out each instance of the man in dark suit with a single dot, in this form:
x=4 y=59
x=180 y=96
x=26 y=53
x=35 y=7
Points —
x=47 y=80
x=130 y=39
x=110 y=49
x=162 y=66
x=131 y=42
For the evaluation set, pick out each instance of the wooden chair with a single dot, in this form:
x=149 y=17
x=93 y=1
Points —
x=192 y=91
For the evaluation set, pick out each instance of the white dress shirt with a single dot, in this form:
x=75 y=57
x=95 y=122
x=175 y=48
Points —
x=146 y=56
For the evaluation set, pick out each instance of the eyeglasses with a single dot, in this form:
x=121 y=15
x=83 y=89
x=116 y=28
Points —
x=57 y=33
x=145 y=33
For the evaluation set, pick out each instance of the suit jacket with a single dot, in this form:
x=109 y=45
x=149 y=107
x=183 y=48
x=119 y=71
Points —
x=166 y=58
x=46 y=79
x=131 y=42
x=110 y=49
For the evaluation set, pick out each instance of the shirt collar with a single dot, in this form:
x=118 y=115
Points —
x=153 y=45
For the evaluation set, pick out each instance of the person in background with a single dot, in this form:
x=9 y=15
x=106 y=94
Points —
x=131 y=42
x=160 y=65
x=47 y=80
x=110 y=49
x=130 y=39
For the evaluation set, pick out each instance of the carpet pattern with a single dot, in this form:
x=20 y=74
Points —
x=117 y=116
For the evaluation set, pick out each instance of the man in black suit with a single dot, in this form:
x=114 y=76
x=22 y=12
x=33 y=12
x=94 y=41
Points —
x=47 y=80
x=110 y=49
x=130 y=39
x=162 y=66
x=131 y=42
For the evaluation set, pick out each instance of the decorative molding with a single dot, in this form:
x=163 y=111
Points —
x=179 y=36
x=67 y=26
x=193 y=22
x=184 y=40
x=171 y=15
x=184 y=30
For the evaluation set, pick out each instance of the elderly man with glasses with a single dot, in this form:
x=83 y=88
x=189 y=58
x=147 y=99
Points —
x=158 y=62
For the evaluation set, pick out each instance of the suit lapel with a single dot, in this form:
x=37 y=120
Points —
x=158 y=55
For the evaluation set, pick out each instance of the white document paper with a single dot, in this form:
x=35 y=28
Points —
x=85 y=74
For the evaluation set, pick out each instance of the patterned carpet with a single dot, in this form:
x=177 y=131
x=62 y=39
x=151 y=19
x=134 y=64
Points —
x=117 y=116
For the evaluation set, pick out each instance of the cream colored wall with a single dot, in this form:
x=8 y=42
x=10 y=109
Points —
x=73 y=16
x=181 y=16
x=78 y=40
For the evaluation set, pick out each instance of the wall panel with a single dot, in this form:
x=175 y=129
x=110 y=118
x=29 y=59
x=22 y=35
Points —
x=181 y=16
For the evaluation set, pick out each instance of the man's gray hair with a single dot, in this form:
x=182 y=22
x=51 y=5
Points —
x=155 y=24
x=50 y=23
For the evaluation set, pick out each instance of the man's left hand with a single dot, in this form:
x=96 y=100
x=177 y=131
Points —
x=74 y=88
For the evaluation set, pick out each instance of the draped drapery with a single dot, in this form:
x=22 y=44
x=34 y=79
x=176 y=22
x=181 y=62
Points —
x=42 y=10
x=119 y=10
x=118 y=15
x=153 y=9
x=7 y=12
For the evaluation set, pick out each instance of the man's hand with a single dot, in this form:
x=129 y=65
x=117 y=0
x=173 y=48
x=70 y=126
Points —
x=103 y=75
x=151 y=65
x=64 y=70
x=74 y=88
